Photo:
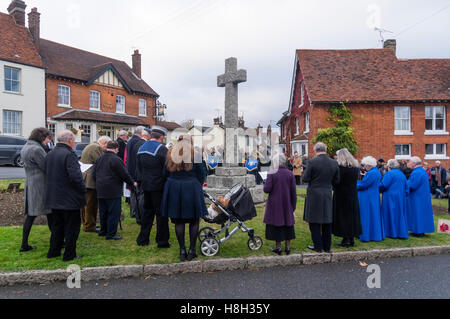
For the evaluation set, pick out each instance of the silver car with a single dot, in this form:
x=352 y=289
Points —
x=10 y=148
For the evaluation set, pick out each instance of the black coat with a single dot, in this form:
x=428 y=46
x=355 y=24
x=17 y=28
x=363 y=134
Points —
x=346 y=215
x=65 y=187
x=109 y=174
x=131 y=158
x=150 y=167
x=122 y=148
x=321 y=174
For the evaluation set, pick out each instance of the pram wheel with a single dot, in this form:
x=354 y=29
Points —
x=210 y=247
x=205 y=233
x=255 y=243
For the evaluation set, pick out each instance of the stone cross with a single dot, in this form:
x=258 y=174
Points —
x=230 y=81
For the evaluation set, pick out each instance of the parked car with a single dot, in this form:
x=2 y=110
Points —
x=79 y=148
x=10 y=148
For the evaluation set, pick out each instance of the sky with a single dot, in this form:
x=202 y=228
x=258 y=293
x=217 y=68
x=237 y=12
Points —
x=184 y=43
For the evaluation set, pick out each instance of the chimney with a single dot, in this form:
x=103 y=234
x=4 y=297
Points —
x=34 y=22
x=17 y=10
x=218 y=121
x=391 y=44
x=137 y=63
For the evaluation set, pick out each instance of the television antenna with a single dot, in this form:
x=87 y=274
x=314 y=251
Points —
x=382 y=31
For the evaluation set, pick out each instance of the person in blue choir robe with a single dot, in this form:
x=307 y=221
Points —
x=394 y=187
x=420 y=209
x=253 y=168
x=369 y=202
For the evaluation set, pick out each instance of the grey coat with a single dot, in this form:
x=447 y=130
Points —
x=321 y=174
x=33 y=156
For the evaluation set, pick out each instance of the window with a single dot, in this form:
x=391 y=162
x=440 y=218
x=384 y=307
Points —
x=435 y=119
x=52 y=128
x=12 y=79
x=12 y=123
x=436 y=151
x=402 y=151
x=402 y=120
x=63 y=96
x=302 y=94
x=120 y=104
x=142 y=107
x=297 y=124
x=307 y=123
x=95 y=100
x=85 y=133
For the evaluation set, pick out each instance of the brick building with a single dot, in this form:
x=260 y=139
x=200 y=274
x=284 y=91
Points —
x=400 y=107
x=88 y=93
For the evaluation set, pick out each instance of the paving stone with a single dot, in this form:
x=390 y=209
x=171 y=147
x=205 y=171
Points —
x=349 y=256
x=390 y=253
x=115 y=272
x=427 y=251
x=167 y=270
x=314 y=259
x=224 y=265
x=33 y=277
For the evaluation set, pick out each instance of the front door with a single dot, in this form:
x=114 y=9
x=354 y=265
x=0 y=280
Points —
x=108 y=131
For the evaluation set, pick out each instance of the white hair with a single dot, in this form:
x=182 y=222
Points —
x=346 y=159
x=65 y=136
x=393 y=164
x=123 y=133
x=369 y=161
x=139 y=130
x=416 y=160
x=104 y=140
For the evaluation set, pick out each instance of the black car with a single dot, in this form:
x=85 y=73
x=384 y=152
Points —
x=79 y=148
x=10 y=148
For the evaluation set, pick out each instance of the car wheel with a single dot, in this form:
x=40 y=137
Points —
x=18 y=162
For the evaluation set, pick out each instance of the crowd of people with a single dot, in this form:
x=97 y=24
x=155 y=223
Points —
x=348 y=200
x=167 y=184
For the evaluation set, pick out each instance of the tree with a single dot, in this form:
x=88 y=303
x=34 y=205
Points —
x=342 y=135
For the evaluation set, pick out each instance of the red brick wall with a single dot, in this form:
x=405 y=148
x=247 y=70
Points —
x=80 y=99
x=374 y=126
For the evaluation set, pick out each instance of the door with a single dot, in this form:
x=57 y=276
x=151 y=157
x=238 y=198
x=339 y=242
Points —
x=108 y=131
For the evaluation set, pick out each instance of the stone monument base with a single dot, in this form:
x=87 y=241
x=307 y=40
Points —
x=228 y=177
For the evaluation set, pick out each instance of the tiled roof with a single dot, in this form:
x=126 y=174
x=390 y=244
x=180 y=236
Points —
x=74 y=115
x=64 y=61
x=171 y=126
x=372 y=75
x=16 y=43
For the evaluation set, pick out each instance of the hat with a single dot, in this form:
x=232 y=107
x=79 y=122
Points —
x=159 y=129
x=381 y=160
x=149 y=131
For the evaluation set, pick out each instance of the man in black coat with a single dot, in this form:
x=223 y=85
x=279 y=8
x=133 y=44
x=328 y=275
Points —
x=151 y=161
x=65 y=196
x=109 y=174
x=321 y=174
x=122 y=141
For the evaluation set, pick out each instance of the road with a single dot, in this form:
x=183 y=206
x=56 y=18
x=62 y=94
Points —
x=412 y=278
x=9 y=172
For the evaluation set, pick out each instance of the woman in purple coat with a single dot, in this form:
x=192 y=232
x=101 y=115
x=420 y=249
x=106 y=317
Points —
x=281 y=205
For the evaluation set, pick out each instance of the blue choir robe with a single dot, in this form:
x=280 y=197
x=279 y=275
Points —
x=370 y=207
x=420 y=208
x=394 y=214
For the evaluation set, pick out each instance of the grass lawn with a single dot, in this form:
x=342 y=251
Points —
x=99 y=252
x=5 y=183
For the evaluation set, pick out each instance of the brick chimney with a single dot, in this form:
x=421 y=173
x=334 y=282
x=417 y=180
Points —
x=17 y=10
x=34 y=24
x=137 y=58
x=391 y=44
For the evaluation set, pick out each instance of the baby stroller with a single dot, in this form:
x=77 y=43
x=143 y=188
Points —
x=241 y=208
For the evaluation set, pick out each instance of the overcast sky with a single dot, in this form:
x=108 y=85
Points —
x=184 y=43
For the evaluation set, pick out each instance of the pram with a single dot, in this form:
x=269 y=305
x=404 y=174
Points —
x=241 y=208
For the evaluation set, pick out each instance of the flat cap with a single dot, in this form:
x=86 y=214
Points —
x=159 y=129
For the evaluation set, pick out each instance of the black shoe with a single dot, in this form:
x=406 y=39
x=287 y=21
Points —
x=183 y=254
x=164 y=246
x=27 y=248
x=117 y=237
x=277 y=251
x=76 y=258
x=314 y=249
x=192 y=255
x=288 y=251
x=91 y=231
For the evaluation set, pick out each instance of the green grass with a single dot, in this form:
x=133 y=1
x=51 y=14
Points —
x=99 y=252
x=5 y=183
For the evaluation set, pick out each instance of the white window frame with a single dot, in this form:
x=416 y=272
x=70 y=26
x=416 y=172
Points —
x=435 y=156
x=297 y=124
x=434 y=131
x=124 y=104
x=11 y=80
x=402 y=132
x=307 y=123
x=403 y=156
x=65 y=87
x=14 y=132
x=302 y=94
x=90 y=100
x=145 y=107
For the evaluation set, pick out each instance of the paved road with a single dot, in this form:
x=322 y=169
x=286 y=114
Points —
x=9 y=172
x=420 y=277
